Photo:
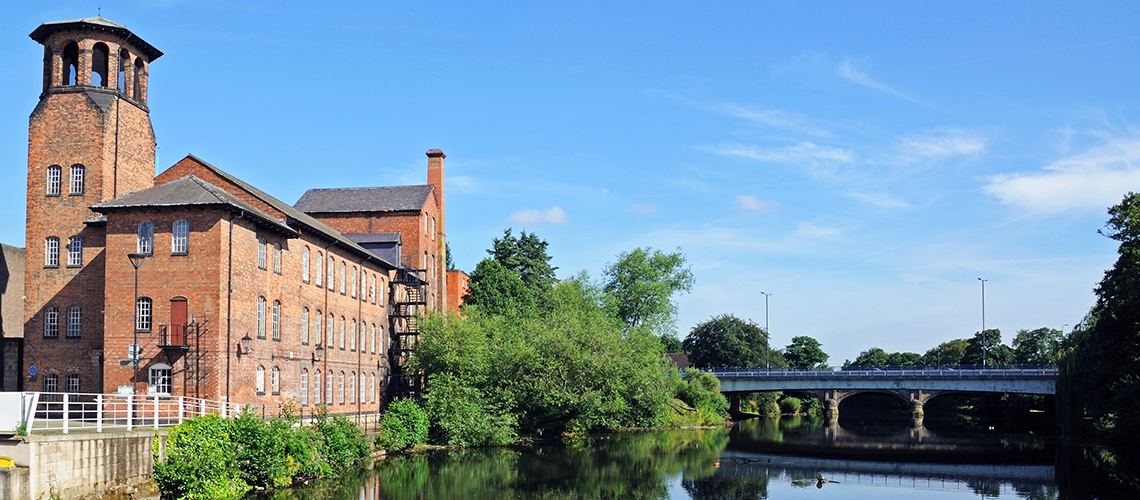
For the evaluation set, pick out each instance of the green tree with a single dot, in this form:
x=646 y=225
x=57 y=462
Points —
x=526 y=256
x=1040 y=346
x=671 y=343
x=904 y=359
x=727 y=341
x=946 y=353
x=995 y=352
x=1098 y=379
x=871 y=357
x=447 y=250
x=641 y=285
x=805 y=351
x=497 y=290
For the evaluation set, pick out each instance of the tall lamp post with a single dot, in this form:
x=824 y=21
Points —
x=136 y=261
x=768 y=350
x=983 y=321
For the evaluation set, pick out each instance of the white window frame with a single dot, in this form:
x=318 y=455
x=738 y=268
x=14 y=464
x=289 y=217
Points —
x=51 y=383
x=277 y=258
x=75 y=251
x=304 y=387
x=319 y=275
x=317 y=387
x=318 y=327
x=160 y=379
x=51 y=251
x=259 y=381
x=144 y=309
x=332 y=273
x=275 y=381
x=277 y=320
x=260 y=252
x=328 y=389
x=74 y=322
x=180 y=237
x=77 y=173
x=260 y=317
x=145 y=237
x=51 y=322
x=54 y=173
x=305 y=264
x=304 y=326
x=341 y=378
x=74 y=383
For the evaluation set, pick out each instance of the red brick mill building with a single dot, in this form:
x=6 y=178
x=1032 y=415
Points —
x=241 y=296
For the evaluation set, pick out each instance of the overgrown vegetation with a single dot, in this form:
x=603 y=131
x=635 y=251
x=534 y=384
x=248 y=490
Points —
x=405 y=425
x=209 y=457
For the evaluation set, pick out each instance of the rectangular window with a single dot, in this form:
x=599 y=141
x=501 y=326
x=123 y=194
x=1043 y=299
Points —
x=305 y=264
x=261 y=317
x=54 y=172
x=51 y=322
x=77 y=179
x=277 y=258
x=142 y=314
x=260 y=252
x=305 y=326
x=75 y=251
x=74 y=323
x=73 y=382
x=277 y=320
x=160 y=380
x=180 y=237
x=51 y=252
x=51 y=383
x=304 y=387
x=146 y=237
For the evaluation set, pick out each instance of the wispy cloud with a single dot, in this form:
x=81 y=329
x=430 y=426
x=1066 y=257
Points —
x=801 y=151
x=810 y=230
x=644 y=208
x=774 y=118
x=848 y=72
x=941 y=144
x=881 y=200
x=750 y=203
x=552 y=215
x=1092 y=180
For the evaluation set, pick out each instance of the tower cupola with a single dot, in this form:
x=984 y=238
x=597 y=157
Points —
x=95 y=53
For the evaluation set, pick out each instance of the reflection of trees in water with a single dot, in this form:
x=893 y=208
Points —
x=716 y=487
x=1036 y=491
x=1097 y=472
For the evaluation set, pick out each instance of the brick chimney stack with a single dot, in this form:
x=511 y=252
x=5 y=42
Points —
x=435 y=178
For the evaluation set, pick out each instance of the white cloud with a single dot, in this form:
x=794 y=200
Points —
x=1092 y=180
x=774 y=118
x=942 y=145
x=881 y=200
x=809 y=230
x=848 y=72
x=750 y=203
x=644 y=208
x=802 y=151
x=552 y=215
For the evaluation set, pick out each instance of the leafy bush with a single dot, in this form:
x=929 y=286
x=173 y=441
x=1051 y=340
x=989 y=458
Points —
x=343 y=444
x=200 y=461
x=791 y=405
x=462 y=416
x=261 y=452
x=405 y=425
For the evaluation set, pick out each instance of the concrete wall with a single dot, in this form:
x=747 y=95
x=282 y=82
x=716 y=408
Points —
x=76 y=465
x=11 y=315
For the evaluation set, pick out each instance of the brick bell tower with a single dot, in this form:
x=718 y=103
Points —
x=90 y=139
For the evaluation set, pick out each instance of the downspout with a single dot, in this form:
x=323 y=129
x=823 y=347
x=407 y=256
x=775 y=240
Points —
x=360 y=345
x=229 y=301
x=115 y=164
x=327 y=323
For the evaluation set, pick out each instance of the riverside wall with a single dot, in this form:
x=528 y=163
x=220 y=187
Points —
x=75 y=466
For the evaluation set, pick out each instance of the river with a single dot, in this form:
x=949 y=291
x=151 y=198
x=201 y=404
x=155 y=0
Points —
x=858 y=458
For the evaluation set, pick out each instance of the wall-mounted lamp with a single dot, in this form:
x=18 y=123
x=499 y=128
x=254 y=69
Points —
x=318 y=354
x=246 y=345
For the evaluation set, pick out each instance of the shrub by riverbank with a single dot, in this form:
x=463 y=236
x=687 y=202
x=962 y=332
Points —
x=209 y=457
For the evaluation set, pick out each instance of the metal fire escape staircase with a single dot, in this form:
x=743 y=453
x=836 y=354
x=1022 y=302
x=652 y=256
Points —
x=408 y=290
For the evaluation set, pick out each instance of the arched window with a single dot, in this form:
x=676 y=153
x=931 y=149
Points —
x=382 y=292
x=277 y=320
x=124 y=63
x=137 y=91
x=146 y=237
x=73 y=382
x=260 y=381
x=343 y=276
x=381 y=341
x=304 y=387
x=51 y=251
x=77 y=174
x=320 y=264
x=363 y=390
x=372 y=388
x=331 y=330
x=54 y=173
x=318 y=318
x=341 y=340
x=51 y=383
x=305 y=264
x=341 y=379
x=74 y=322
x=363 y=333
x=352 y=337
x=261 y=317
x=317 y=387
x=372 y=290
x=352 y=285
x=51 y=322
x=275 y=381
x=143 y=314
x=99 y=58
x=180 y=237
x=328 y=388
x=71 y=63
x=260 y=252
x=352 y=388
x=304 y=326
x=75 y=251
x=160 y=379
x=332 y=273
x=374 y=337
x=277 y=258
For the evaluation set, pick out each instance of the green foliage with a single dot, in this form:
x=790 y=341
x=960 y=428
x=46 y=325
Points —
x=995 y=352
x=1040 y=346
x=641 y=285
x=670 y=343
x=497 y=290
x=877 y=357
x=805 y=351
x=405 y=425
x=449 y=260
x=699 y=392
x=261 y=452
x=526 y=257
x=726 y=341
x=947 y=353
x=463 y=416
x=200 y=461
x=343 y=443
x=791 y=405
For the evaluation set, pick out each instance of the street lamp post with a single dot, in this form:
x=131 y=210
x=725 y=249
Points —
x=768 y=347
x=983 y=321
x=136 y=261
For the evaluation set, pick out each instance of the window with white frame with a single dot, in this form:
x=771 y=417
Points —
x=304 y=387
x=352 y=284
x=180 y=237
x=276 y=380
x=343 y=276
x=260 y=252
x=363 y=333
x=51 y=383
x=277 y=320
x=75 y=251
x=74 y=322
x=261 y=317
x=146 y=238
x=160 y=379
x=51 y=251
x=352 y=388
x=305 y=264
x=372 y=388
x=260 y=381
x=374 y=337
x=77 y=179
x=343 y=322
x=381 y=341
x=53 y=182
x=364 y=284
x=73 y=382
x=304 y=326
x=331 y=328
x=317 y=387
x=319 y=274
x=317 y=327
x=341 y=379
x=332 y=273
x=381 y=293
x=143 y=314
x=277 y=258
x=433 y=228
x=51 y=322
x=352 y=337
x=363 y=390
x=329 y=388
x=372 y=290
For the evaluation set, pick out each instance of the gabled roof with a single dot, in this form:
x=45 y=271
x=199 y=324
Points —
x=190 y=191
x=363 y=238
x=371 y=199
x=98 y=23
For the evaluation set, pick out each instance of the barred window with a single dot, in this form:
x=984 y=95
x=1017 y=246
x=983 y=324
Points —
x=180 y=237
x=305 y=326
x=260 y=381
x=305 y=387
x=276 y=380
x=73 y=382
x=143 y=314
x=75 y=251
x=53 y=182
x=277 y=320
x=51 y=322
x=51 y=251
x=261 y=317
x=305 y=264
x=74 y=324
x=51 y=383
x=277 y=258
x=160 y=379
x=77 y=179
x=260 y=252
x=146 y=237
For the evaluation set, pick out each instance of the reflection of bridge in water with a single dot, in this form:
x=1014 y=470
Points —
x=915 y=385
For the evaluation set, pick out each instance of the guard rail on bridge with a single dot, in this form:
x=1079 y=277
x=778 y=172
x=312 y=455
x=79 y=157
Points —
x=864 y=372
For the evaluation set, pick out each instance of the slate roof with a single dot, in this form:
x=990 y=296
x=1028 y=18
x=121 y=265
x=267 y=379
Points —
x=190 y=191
x=363 y=238
x=99 y=23
x=372 y=199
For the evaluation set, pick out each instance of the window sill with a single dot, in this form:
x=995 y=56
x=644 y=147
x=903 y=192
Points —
x=51 y=266
x=71 y=266
x=75 y=194
x=277 y=340
x=139 y=330
x=260 y=393
x=276 y=393
x=179 y=254
x=49 y=195
x=74 y=336
x=51 y=336
x=304 y=343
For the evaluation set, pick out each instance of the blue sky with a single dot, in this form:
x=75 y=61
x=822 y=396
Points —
x=864 y=164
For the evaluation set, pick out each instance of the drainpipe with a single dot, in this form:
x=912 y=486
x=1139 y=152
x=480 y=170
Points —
x=229 y=301
x=359 y=340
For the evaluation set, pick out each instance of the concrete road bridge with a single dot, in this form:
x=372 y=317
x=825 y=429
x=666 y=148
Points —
x=915 y=385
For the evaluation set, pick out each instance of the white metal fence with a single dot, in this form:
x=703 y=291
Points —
x=64 y=412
